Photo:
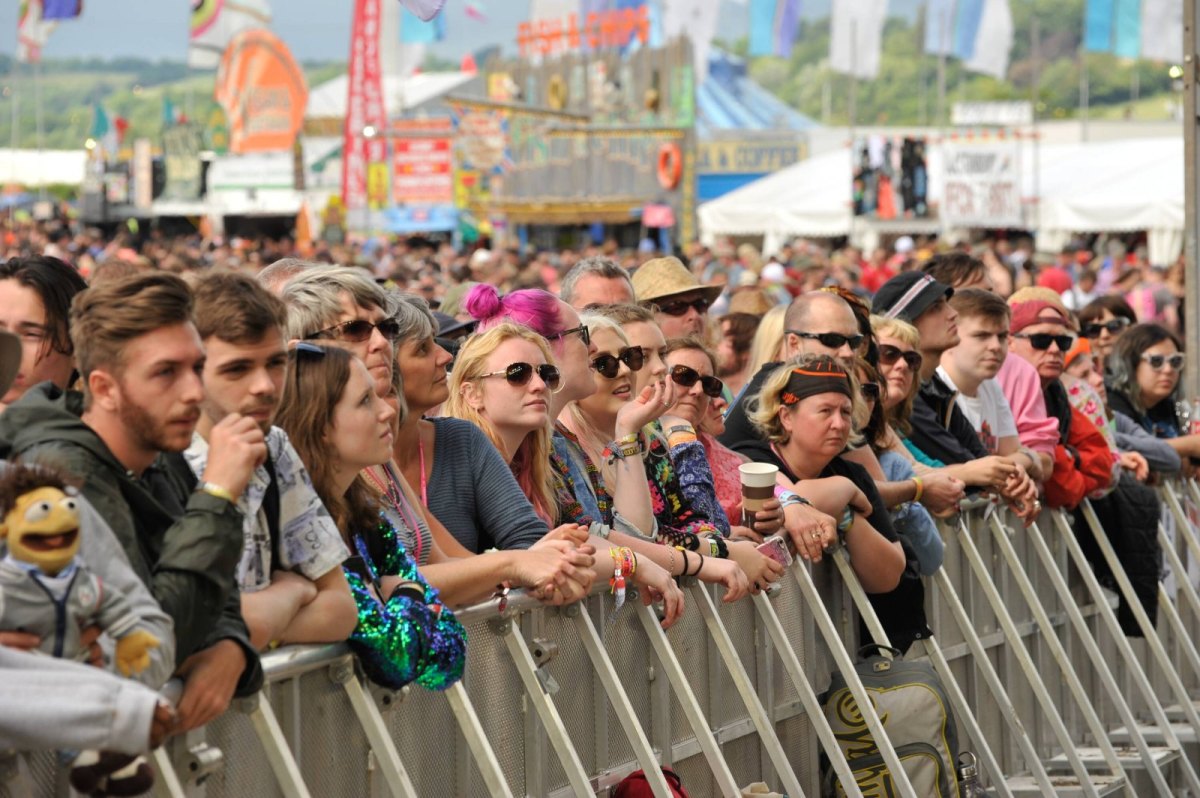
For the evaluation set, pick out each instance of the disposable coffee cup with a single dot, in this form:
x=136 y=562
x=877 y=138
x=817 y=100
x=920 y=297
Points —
x=758 y=487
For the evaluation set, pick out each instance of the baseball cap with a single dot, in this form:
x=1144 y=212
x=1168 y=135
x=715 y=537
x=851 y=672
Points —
x=907 y=295
x=10 y=360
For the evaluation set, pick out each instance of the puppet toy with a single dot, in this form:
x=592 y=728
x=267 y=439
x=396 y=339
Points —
x=47 y=590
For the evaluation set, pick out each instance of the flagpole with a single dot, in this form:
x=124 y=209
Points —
x=1084 y=92
x=1035 y=49
x=37 y=107
x=944 y=33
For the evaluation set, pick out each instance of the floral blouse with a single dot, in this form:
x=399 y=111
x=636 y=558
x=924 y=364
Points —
x=684 y=515
x=401 y=639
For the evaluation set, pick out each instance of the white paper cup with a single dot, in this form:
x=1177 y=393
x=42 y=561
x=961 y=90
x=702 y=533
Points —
x=758 y=487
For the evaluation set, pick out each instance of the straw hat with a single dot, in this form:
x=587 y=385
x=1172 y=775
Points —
x=661 y=278
x=751 y=300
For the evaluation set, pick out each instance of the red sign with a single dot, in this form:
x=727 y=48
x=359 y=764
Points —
x=613 y=28
x=422 y=170
x=364 y=106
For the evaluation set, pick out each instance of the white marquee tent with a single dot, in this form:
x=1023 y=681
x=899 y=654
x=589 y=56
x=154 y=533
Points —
x=1112 y=186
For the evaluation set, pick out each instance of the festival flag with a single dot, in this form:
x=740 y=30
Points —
x=364 y=107
x=216 y=22
x=423 y=10
x=61 y=9
x=774 y=25
x=939 y=27
x=33 y=29
x=696 y=19
x=106 y=134
x=476 y=11
x=414 y=30
x=980 y=32
x=993 y=41
x=856 y=37
x=1135 y=28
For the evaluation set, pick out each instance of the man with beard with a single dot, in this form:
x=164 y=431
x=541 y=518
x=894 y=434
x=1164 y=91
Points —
x=140 y=362
x=292 y=588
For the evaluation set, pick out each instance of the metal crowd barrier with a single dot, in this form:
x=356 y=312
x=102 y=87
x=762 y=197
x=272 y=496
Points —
x=1047 y=691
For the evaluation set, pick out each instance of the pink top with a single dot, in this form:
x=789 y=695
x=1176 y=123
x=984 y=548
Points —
x=724 y=463
x=1023 y=388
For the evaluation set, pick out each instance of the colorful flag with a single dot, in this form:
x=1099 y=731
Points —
x=104 y=132
x=939 y=27
x=994 y=40
x=1127 y=28
x=33 y=29
x=773 y=26
x=423 y=10
x=61 y=9
x=475 y=10
x=1098 y=26
x=414 y=30
x=216 y=22
x=1135 y=28
x=856 y=37
x=168 y=112
x=696 y=19
x=968 y=15
x=1162 y=30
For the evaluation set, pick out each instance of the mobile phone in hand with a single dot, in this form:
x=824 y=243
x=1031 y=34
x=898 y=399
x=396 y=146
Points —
x=776 y=548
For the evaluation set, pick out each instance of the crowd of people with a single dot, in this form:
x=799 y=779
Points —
x=278 y=450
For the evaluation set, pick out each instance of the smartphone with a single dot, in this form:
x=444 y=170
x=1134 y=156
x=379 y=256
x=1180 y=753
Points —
x=776 y=548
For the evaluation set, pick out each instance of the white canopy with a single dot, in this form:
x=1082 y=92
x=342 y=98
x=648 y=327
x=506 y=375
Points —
x=399 y=93
x=42 y=168
x=1112 y=186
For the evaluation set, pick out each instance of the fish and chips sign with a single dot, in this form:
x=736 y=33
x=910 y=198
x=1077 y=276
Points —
x=983 y=187
x=592 y=31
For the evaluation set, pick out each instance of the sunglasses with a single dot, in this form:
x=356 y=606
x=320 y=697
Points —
x=830 y=340
x=585 y=334
x=1157 y=362
x=680 y=306
x=519 y=374
x=1113 y=326
x=609 y=365
x=870 y=391
x=1042 y=341
x=888 y=355
x=358 y=330
x=686 y=377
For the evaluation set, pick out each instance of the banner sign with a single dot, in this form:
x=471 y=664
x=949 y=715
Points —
x=364 y=108
x=423 y=166
x=612 y=28
x=746 y=157
x=482 y=141
x=181 y=159
x=263 y=92
x=1001 y=114
x=982 y=184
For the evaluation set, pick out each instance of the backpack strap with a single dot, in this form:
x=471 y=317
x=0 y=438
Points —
x=271 y=509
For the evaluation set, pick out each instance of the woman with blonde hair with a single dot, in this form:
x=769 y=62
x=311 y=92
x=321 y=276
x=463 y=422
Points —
x=767 y=346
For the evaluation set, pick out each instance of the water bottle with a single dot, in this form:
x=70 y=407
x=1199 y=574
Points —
x=968 y=777
x=1194 y=418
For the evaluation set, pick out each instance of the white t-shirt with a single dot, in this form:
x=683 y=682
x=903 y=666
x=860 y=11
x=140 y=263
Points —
x=988 y=411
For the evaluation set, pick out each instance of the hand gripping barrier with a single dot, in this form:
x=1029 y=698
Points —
x=1047 y=691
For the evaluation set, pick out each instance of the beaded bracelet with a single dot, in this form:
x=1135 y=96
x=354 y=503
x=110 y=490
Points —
x=627 y=446
x=624 y=566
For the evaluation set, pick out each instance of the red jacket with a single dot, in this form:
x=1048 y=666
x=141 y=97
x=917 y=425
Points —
x=1081 y=467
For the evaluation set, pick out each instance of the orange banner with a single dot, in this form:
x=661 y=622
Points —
x=263 y=92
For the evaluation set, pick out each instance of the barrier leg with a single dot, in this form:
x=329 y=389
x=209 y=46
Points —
x=808 y=696
x=845 y=664
x=619 y=700
x=1132 y=664
x=726 y=784
x=1050 y=635
x=741 y=680
x=1157 y=650
x=551 y=720
x=279 y=757
x=373 y=725
x=1170 y=611
x=166 y=783
x=1186 y=530
x=995 y=685
x=472 y=729
x=962 y=710
x=1107 y=680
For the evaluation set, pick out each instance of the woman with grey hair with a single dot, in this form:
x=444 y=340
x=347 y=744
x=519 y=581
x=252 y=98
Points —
x=1144 y=375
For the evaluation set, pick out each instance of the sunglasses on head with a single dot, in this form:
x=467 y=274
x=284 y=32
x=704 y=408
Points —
x=609 y=365
x=679 y=307
x=1157 y=362
x=1042 y=341
x=870 y=391
x=1113 y=326
x=686 y=377
x=359 y=330
x=888 y=355
x=585 y=334
x=519 y=374
x=830 y=340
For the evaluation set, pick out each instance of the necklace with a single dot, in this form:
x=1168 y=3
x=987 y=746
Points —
x=394 y=495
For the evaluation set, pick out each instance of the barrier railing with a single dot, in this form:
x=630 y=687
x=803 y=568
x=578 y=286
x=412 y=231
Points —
x=1047 y=691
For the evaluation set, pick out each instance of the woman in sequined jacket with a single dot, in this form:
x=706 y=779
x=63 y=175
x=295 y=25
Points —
x=339 y=426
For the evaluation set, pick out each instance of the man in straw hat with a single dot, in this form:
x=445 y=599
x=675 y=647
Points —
x=679 y=300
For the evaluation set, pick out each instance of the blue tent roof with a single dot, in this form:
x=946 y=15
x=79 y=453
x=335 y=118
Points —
x=730 y=100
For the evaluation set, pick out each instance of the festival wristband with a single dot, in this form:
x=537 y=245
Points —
x=213 y=489
x=920 y=488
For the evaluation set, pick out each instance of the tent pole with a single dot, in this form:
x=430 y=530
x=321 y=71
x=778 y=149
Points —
x=1191 y=189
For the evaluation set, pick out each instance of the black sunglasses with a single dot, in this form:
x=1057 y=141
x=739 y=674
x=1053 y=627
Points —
x=584 y=334
x=1157 y=362
x=519 y=374
x=686 y=377
x=1042 y=341
x=829 y=339
x=1113 y=326
x=888 y=355
x=680 y=306
x=609 y=365
x=359 y=330
x=870 y=391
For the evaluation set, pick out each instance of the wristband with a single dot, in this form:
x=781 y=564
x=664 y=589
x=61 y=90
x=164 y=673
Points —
x=680 y=438
x=624 y=566
x=414 y=591
x=213 y=489
x=920 y=488
x=787 y=499
x=847 y=520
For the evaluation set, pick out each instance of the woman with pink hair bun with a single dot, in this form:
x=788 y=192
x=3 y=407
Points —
x=536 y=309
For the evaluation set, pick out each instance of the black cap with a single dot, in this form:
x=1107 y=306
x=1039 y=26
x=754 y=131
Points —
x=907 y=295
x=448 y=325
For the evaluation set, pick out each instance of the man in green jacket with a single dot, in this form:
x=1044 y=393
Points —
x=140 y=360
